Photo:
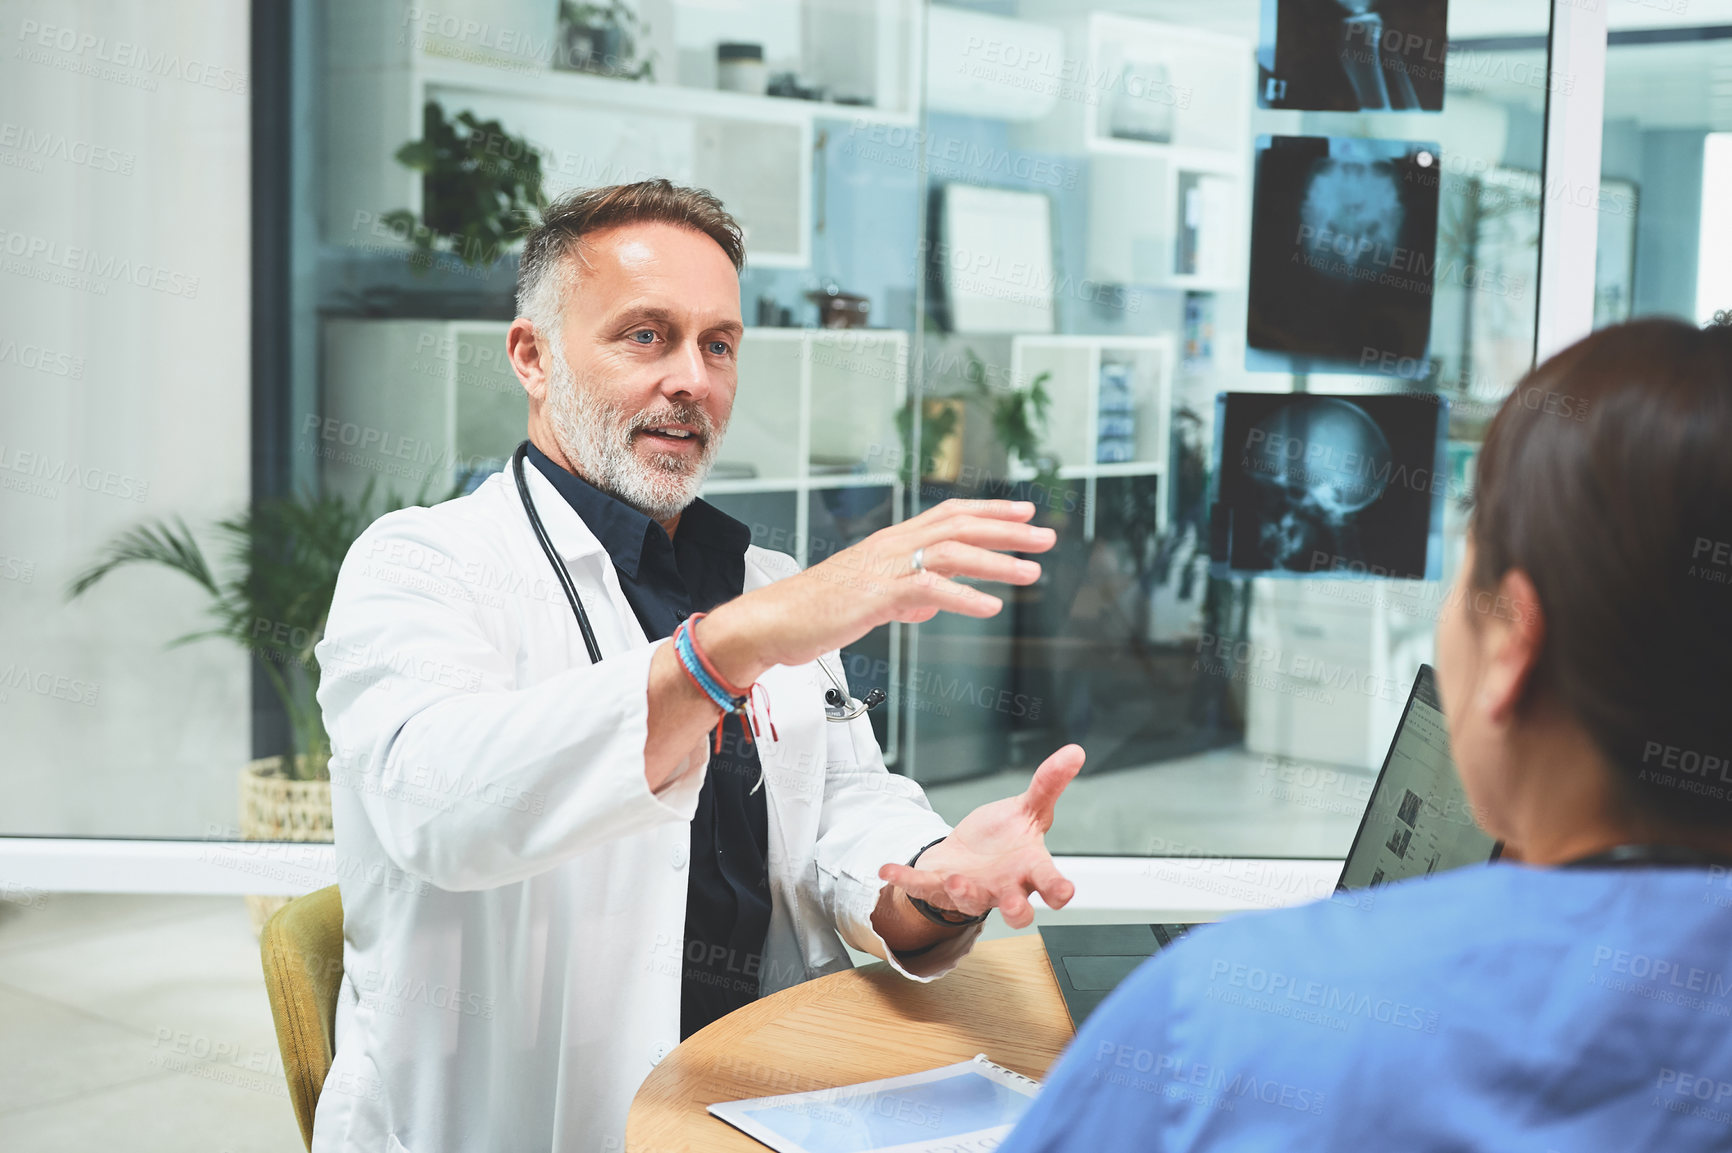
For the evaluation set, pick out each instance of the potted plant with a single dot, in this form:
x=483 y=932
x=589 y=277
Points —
x=283 y=557
x=1019 y=420
x=940 y=418
x=602 y=39
x=481 y=188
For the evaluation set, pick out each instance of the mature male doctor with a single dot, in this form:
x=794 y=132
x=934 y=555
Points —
x=553 y=869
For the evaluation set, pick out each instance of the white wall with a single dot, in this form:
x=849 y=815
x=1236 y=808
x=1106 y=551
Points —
x=123 y=153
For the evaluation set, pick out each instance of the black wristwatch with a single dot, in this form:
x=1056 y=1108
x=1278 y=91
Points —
x=927 y=910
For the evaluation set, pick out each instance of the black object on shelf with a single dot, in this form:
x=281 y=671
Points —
x=772 y=314
x=838 y=309
x=788 y=86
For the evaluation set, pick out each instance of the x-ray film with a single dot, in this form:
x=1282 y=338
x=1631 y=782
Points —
x=1329 y=486
x=1343 y=256
x=1353 y=55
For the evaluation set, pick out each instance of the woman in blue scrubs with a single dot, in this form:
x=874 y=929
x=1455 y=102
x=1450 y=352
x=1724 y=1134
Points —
x=1576 y=996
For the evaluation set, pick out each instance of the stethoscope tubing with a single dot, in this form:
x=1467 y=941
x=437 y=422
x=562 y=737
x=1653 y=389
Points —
x=558 y=564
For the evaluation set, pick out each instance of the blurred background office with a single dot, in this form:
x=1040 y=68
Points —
x=256 y=266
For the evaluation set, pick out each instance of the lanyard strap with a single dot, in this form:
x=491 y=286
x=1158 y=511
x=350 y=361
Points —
x=1625 y=856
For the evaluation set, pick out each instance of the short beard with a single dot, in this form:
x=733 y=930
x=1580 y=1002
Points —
x=596 y=438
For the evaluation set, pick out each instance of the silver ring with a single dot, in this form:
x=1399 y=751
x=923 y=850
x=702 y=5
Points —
x=918 y=561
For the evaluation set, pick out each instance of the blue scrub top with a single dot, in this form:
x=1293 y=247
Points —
x=1492 y=1008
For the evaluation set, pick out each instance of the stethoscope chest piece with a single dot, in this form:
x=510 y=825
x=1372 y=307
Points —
x=840 y=707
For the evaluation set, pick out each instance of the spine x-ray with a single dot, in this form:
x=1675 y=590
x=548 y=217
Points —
x=1343 y=255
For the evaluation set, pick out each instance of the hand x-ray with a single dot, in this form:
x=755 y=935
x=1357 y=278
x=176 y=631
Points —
x=1329 y=486
x=1353 y=55
x=1343 y=254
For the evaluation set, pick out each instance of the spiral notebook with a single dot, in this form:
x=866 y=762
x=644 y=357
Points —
x=967 y=1107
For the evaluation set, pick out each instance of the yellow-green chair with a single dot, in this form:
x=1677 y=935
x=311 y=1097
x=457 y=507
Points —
x=302 y=950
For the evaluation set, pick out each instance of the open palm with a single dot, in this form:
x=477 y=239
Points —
x=996 y=856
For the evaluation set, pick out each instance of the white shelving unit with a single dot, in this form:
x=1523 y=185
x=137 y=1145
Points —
x=1073 y=428
x=816 y=409
x=413 y=401
x=1165 y=123
x=391 y=57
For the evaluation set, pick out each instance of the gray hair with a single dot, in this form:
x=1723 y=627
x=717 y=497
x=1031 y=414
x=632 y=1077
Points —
x=542 y=270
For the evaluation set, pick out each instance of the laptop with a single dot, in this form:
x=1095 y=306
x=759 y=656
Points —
x=1416 y=822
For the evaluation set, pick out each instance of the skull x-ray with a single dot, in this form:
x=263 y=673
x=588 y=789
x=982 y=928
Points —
x=1343 y=255
x=1353 y=55
x=1329 y=486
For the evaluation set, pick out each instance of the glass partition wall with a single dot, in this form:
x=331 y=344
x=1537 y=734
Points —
x=994 y=249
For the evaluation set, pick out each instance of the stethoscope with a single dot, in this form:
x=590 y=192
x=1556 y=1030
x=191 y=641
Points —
x=839 y=706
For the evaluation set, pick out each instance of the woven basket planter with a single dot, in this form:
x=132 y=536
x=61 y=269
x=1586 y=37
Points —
x=275 y=808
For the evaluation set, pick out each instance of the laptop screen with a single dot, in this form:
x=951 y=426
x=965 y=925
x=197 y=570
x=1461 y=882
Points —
x=1417 y=820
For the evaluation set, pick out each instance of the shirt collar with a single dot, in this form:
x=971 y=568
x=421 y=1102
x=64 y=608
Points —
x=624 y=531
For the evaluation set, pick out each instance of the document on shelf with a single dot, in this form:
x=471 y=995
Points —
x=967 y=1107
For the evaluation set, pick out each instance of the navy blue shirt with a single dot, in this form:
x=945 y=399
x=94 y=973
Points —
x=728 y=895
x=1491 y=1008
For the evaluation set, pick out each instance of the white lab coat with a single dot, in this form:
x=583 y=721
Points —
x=514 y=895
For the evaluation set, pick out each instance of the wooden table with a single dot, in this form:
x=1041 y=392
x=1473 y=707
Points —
x=851 y=1027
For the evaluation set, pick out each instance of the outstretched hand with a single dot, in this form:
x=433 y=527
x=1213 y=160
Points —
x=997 y=855
x=910 y=571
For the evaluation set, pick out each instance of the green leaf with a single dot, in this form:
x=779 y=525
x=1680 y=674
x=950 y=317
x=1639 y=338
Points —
x=274 y=593
x=157 y=543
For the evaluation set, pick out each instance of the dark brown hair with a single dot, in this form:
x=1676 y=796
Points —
x=1607 y=477
x=575 y=215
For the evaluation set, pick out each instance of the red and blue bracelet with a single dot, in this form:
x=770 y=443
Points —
x=713 y=685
